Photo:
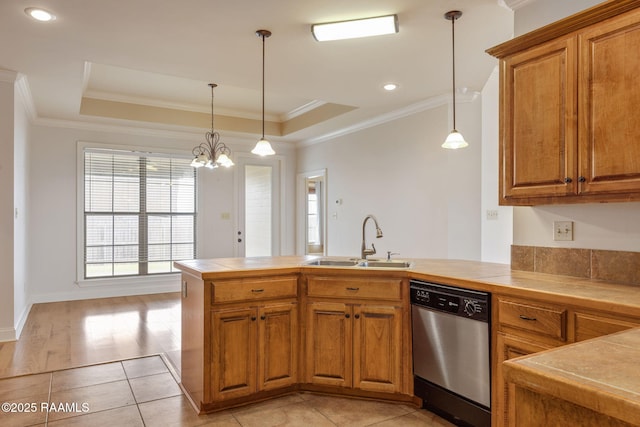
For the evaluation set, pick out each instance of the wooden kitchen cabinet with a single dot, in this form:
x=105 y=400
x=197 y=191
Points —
x=329 y=344
x=539 y=131
x=377 y=342
x=240 y=339
x=521 y=327
x=253 y=349
x=568 y=116
x=355 y=346
x=589 y=324
x=355 y=342
x=527 y=326
x=609 y=94
x=234 y=353
x=503 y=400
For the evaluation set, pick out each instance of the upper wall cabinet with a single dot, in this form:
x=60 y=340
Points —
x=570 y=109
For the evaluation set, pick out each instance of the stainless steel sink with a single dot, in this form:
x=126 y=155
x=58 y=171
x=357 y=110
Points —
x=334 y=262
x=385 y=264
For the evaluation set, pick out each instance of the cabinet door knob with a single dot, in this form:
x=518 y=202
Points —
x=347 y=316
x=582 y=179
x=568 y=180
x=263 y=317
x=357 y=316
x=253 y=318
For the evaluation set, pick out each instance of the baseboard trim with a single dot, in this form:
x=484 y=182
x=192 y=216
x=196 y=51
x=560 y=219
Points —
x=105 y=292
x=22 y=320
x=7 y=334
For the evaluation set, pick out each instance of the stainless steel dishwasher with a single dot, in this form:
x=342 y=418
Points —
x=451 y=351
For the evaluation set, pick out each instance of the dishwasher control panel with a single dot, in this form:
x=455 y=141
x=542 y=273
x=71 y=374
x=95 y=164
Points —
x=461 y=302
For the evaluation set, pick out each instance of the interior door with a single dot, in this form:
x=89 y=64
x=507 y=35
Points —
x=258 y=226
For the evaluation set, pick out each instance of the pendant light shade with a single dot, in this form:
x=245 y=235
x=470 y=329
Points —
x=263 y=147
x=455 y=139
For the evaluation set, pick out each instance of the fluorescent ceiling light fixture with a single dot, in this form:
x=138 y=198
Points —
x=40 y=14
x=356 y=28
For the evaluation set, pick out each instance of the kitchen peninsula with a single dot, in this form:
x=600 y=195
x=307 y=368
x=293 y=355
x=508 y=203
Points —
x=253 y=328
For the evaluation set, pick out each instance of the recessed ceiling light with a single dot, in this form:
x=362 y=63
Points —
x=390 y=86
x=40 y=14
x=356 y=28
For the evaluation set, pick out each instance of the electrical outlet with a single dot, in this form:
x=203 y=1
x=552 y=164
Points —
x=492 y=214
x=563 y=230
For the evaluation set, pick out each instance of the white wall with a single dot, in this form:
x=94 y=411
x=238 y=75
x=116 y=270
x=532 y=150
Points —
x=426 y=198
x=53 y=214
x=20 y=203
x=597 y=226
x=537 y=13
x=7 y=327
x=497 y=233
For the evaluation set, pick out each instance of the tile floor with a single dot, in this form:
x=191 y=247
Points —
x=143 y=392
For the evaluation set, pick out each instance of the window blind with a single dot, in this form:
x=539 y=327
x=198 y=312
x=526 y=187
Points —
x=139 y=213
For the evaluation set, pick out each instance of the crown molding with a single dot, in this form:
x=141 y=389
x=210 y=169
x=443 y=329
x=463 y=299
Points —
x=310 y=106
x=427 y=104
x=27 y=99
x=160 y=131
x=8 y=76
x=514 y=4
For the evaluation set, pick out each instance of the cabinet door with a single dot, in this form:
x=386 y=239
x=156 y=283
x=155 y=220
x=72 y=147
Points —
x=329 y=344
x=233 y=364
x=503 y=402
x=278 y=345
x=377 y=344
x=608 y=104
x=538 y=116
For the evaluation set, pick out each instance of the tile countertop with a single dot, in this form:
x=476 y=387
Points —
x=601 y=374
x=491 y=277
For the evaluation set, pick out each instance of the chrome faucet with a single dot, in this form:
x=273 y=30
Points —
x=364 y=251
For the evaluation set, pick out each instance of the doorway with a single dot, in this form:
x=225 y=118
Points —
x=312 y=210
x=258 y=200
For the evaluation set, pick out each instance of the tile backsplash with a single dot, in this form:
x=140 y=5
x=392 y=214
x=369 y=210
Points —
x=613 y=266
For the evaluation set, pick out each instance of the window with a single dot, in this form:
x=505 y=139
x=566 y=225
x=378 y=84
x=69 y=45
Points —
x=139 y=213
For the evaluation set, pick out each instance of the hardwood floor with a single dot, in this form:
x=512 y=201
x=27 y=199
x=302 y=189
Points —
x=69 y=334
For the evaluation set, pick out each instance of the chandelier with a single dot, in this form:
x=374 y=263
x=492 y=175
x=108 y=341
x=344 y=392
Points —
x=211 y=153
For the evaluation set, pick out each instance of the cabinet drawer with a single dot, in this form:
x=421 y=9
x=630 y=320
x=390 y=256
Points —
x=254 y=289
x=335 y=287
x=589 y=326
x=548 y=321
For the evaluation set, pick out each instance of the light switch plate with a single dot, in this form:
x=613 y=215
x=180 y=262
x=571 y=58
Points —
x=563 y=230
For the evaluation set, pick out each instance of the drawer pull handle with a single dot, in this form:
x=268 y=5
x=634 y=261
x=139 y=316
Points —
x=257 y=291
x=530 y=319
x=353 y=289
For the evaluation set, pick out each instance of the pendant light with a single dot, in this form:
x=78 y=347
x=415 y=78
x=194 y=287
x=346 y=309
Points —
x=263 y=148
x=211 y=153
x=455 y=139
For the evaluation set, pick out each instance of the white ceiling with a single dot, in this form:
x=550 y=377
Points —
x=163 y=54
